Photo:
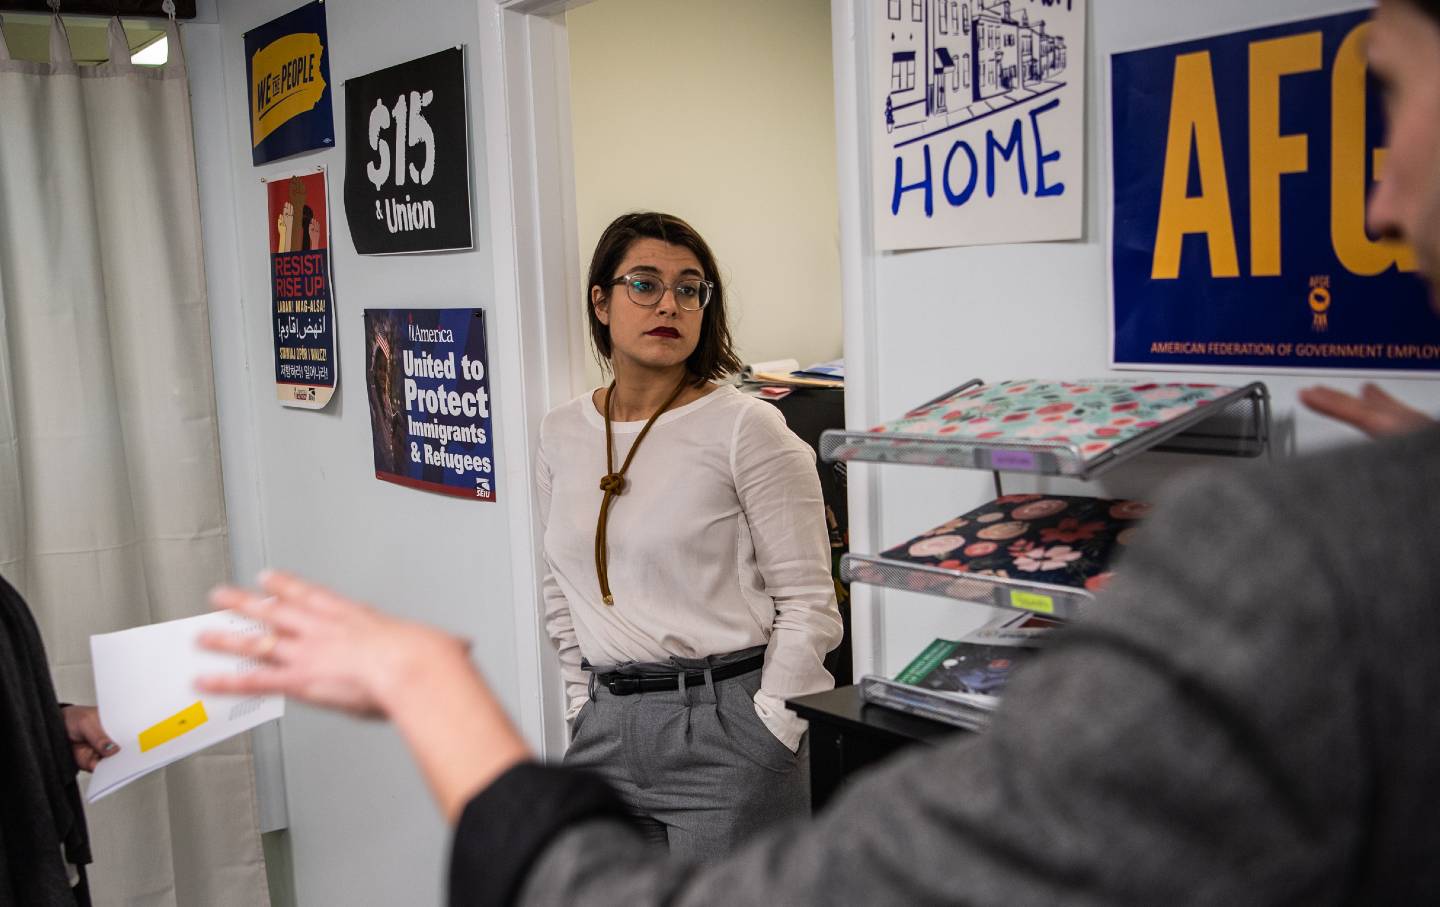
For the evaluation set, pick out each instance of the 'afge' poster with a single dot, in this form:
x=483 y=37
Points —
x=1241 y=166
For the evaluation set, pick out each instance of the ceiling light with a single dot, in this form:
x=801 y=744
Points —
x=153 y=54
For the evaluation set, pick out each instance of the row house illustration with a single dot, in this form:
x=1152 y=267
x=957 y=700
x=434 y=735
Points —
x=909 y=99
x=950 y=81
x=997 y=51
x=1011 y=52
x=948 y=54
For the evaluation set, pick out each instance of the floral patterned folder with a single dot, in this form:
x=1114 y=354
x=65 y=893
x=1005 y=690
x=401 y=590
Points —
x=1033 y=538
x=1094 y=416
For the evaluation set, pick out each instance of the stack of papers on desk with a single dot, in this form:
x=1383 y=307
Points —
x=788 y=373
x=145 y=688
x=834 y=370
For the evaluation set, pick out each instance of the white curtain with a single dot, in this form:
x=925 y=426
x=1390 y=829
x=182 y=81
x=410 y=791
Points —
x=111 y=506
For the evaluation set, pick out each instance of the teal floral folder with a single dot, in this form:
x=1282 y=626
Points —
x=1093 y=416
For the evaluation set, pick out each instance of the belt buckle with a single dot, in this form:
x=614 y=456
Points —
x=623 y=685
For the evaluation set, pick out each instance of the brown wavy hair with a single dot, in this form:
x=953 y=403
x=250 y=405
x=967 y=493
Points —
x=714 y=357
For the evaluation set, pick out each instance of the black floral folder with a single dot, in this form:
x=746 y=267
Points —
x=1033 y=538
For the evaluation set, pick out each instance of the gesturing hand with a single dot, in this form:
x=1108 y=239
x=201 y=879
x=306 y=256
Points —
x=88 y=740
x=323 y=648
x=1374 y=412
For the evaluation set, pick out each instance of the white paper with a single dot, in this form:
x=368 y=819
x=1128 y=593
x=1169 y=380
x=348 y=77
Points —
x=145 y=686
x=783 y=366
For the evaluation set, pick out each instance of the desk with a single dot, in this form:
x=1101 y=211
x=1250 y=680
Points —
x=847 y=734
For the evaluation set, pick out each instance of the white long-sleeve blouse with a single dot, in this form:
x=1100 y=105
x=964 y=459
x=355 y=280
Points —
x=717 y=544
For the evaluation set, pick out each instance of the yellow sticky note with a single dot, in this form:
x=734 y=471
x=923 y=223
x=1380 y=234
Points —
x=182 y=722
x=1032 y=601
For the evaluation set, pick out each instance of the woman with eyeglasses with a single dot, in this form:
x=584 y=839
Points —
x=688 y=584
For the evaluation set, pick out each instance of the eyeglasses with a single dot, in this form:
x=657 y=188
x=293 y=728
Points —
x=692 y=294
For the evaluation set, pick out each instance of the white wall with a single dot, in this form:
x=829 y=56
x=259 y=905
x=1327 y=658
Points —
x=300 y=485
x=1017 y=311
x=723 y=114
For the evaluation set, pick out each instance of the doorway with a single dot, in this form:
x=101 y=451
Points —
x=750 y=84
x=722 y=114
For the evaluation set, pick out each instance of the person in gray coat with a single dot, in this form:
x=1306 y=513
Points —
x=1248 y=716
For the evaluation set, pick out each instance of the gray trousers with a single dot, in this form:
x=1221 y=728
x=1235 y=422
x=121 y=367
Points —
x=696 y=766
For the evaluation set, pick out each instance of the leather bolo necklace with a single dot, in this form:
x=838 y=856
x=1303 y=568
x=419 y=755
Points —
x=613 y=482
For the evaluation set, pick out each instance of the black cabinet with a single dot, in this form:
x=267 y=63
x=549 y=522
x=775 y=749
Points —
x=847 y=734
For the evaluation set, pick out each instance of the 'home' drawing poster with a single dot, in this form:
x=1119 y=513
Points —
x=978 y=121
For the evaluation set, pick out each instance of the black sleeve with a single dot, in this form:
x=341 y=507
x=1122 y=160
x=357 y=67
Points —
x=508 y=824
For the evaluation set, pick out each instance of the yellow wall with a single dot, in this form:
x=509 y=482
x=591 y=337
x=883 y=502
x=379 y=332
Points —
x=721 y=112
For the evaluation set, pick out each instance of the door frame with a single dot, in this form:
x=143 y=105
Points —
x=531 y=180
x=525 y=131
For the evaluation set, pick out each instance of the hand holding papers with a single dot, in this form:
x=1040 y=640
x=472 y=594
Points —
x=145 y=681
x=89 y=743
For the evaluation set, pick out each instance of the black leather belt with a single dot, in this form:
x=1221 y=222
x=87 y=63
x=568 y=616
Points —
x=629 y=684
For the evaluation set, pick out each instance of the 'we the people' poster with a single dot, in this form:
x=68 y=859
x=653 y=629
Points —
x=977 y=121
x=302 y=299
x=287 y=77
